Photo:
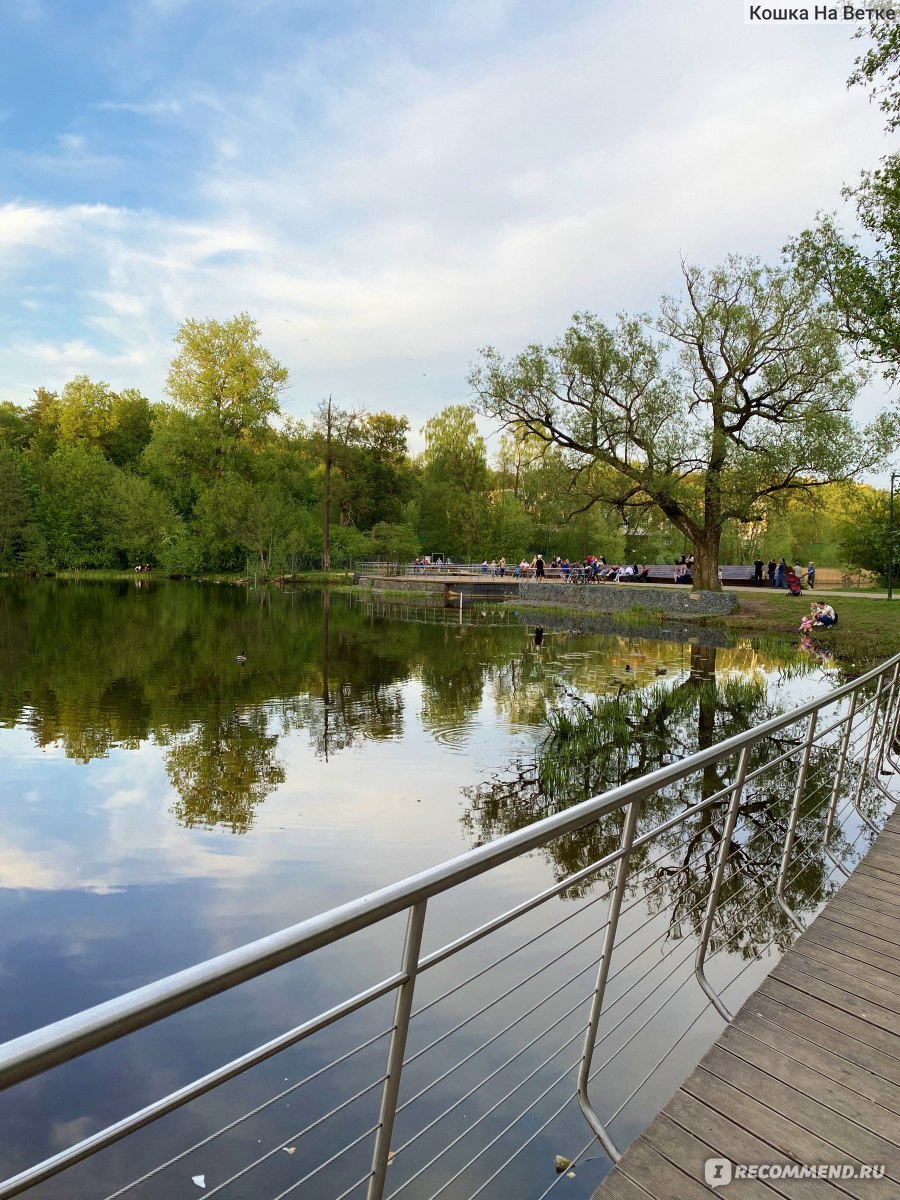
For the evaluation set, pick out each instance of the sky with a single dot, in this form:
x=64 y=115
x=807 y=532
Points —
x=388 y=186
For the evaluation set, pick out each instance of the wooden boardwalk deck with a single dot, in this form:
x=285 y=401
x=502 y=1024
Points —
x=809 y=1070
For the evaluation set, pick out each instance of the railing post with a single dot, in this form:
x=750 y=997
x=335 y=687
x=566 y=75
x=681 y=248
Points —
x=838 y=781
x=889 y=719
x=609 y=941
x=411 y=947
x=870 y=737
x=713 y=902
x=792 y=823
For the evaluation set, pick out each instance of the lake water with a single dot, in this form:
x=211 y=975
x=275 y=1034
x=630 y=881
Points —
x=163 y=803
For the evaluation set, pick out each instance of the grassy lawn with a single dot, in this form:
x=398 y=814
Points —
x=867 y=632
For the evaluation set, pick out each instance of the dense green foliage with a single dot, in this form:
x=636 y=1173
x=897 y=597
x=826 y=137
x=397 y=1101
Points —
x=216 y=479
x=859 y=270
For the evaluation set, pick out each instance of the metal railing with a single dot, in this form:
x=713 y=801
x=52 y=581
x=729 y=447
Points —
x=748 y=822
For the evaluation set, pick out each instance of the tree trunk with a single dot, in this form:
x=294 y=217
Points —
x=326 y=506
x=706 y=561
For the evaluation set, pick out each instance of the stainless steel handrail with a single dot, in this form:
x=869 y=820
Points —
x=36 y=1052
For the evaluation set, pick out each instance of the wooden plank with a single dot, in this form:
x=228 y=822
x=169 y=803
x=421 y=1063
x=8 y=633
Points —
x=870 y=894
x=852 y=945
x=786 y=1137
x=829 y=1105
x=861 y=932
x=725 y=1139
x=879 y=872
x=883 y=860
x=799 y=1025
x=882 y=923
x=886 y=847
x=679 y=1145
x=617 y=1186
x=865 y=880
x=866 y=1010
x=847 y=982
x=644 y=1164
x=833 y=1127
x=875 y=977
x=862 y=1082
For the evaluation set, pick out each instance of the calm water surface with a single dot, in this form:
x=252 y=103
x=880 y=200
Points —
x=163 y=803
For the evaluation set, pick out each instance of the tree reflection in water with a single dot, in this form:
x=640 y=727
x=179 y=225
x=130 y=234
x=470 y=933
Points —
x=594 y=746
x=222 y=769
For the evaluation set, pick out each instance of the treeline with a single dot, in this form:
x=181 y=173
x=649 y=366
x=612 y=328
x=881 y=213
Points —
x=216 y=479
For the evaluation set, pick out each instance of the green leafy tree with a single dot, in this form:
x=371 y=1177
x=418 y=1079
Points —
x=866 y=534
x=15 y=426
x=15 y=508
x=860 y=272
x=454 y=502
x=511 y=528
x=334 y=431
x=76 y=507
x=259 y=518
x=394 y=543
x=224 y=378
x=145 y=519
x=743 y=396
x=377 y=479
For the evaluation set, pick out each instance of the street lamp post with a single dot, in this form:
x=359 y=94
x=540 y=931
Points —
x=890 y=595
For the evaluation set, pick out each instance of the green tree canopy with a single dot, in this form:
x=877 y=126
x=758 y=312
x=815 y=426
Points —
x=860 y=270
x=225 y=378
x=454 y=504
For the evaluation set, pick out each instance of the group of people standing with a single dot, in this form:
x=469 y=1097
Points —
x=778 y=573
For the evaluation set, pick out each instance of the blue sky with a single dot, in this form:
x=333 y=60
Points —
x=388 y=186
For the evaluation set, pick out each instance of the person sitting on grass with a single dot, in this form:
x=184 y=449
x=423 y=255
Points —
x=824 y=615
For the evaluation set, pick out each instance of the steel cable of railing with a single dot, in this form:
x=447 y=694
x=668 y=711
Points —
x=581 y=1001
x=684 y=959
x=327 y=1163
x=645 y=869
x=353 y=1186
x=746 y=967
x=572 y=1066
x=593 y=1141
x=756 y=958
x=296 y=1137
x=522 y=945
x=621 y=969
x=248 y=1115
x=578 y=1033
x=553 y=1115
x=490 y=1041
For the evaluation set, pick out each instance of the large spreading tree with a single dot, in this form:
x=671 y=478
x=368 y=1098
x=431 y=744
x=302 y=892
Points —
x=735 y=393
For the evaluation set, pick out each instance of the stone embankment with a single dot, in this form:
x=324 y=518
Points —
x=590 y=597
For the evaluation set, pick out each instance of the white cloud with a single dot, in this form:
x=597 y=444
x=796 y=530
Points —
x=384 y=218
x=74 y=156
x=145 y=108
